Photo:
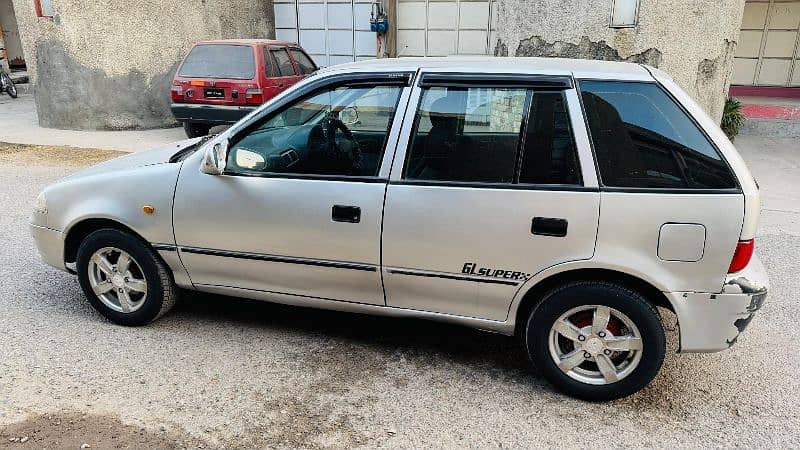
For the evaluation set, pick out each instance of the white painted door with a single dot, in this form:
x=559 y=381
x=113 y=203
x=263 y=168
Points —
x=331 y=31
x=445 y=27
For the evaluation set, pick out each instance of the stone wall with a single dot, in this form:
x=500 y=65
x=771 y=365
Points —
x=693 y=40
x=108 y=64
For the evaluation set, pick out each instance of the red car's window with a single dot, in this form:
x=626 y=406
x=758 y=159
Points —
x=304 y=63
x=285 y=67
x=271 y=68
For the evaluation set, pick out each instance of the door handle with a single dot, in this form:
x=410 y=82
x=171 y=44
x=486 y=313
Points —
x=349 y=214
x=549 y=226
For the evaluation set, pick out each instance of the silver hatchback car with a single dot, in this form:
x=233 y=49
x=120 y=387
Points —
x=560 y=201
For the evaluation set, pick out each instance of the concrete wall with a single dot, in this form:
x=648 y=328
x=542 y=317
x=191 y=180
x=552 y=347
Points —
x=108 y=64
x=692 y=40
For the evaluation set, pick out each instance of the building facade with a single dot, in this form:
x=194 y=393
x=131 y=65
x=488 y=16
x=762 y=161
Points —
x=767 y=60
x=108 y=65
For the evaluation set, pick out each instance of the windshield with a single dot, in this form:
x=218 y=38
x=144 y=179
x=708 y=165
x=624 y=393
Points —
x=219 y=61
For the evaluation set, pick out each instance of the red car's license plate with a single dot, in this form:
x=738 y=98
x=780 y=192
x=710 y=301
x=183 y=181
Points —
x=214 y=93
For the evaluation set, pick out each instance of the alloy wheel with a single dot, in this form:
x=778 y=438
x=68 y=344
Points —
x=117 y=280
x=595 y=344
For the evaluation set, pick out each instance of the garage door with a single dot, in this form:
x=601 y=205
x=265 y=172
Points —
x=331 y=31
x=767 y=53
x=442 y=28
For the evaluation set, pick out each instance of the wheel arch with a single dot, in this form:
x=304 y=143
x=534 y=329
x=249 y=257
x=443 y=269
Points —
x=78 y=231
x=531 y=297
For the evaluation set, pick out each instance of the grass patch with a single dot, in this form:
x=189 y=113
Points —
x=54 y=155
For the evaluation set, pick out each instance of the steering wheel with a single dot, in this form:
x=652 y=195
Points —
x=342 y=158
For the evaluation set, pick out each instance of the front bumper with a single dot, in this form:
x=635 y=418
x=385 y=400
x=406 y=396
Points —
x=50 y=244
x=209 y=114
x=713 y=322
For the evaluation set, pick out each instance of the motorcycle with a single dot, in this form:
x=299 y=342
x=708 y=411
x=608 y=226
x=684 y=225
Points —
x=7 y=85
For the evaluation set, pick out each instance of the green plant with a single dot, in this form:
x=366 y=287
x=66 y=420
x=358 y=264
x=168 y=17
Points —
x=732 y=118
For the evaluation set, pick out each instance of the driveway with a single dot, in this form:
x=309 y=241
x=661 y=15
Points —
x=223 y=372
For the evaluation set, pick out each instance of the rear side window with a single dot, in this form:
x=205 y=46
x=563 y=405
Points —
x=285 y=68
x=466 y=135
x=643 y=139
x=219 y=61
x=304 y=63
x=480 y=134
x=271 y=68
x=550 y=156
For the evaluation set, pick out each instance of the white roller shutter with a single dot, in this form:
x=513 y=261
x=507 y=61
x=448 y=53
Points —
x=446 y=27
x=331 y=31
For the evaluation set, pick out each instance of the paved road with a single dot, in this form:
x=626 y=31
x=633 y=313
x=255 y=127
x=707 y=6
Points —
x=233 y=373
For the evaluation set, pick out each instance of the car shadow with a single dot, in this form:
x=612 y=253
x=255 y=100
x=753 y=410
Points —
x=457 y=344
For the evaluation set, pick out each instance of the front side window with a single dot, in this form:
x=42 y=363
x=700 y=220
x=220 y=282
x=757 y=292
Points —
x=477 y=135
x=219 y=61
x=304 y=63
x=643 y=139
x=338 y=131
x=285 y=68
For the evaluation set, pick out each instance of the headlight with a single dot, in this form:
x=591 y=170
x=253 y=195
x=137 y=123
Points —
x=40 y=206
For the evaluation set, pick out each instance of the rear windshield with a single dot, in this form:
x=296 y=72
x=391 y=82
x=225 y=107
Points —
x=219 y=61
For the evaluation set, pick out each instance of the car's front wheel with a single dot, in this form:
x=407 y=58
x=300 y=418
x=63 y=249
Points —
x=596 y=341
x=194 y=130
x=123 y=278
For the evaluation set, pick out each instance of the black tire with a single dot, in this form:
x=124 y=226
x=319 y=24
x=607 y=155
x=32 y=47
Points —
x=194 y=130
x=161 y=290
x=629 y=302
x=11 y=89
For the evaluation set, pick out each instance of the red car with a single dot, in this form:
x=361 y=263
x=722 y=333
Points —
x=219 y=82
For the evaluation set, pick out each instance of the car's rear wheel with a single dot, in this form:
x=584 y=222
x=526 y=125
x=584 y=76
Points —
x=194 y=129
x=123 y=278
x=596 y=341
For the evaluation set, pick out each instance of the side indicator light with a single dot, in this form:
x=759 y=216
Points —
x=148 y=209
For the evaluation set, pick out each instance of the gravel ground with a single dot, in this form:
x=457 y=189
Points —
x=229 y=373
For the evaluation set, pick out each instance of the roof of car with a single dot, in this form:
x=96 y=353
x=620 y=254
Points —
x=579 y=68
x=249 y=42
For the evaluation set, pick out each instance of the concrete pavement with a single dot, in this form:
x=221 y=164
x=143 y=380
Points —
x=19 y=125
x=775 y=163
x=234 y=373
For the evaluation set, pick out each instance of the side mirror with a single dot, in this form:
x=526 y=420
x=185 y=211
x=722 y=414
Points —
x=215 y=158
x=247 y=159
x=349 y=115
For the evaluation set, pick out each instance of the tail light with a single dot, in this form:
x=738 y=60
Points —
x=742 y=255
x=177 y=93
x=254 y=96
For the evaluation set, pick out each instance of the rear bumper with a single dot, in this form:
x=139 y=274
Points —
x=50 y=244
x=210 y=114
x=713 y=322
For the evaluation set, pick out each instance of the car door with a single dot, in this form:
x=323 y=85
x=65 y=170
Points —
x=496 y=183
x=298 y=211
